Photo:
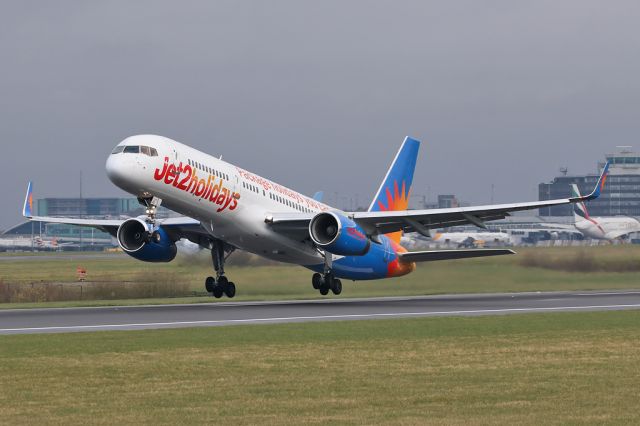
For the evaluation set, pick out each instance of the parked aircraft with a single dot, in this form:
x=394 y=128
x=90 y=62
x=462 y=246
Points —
x=601 y=228
x=24 y=243
x=472 y=239
x=226 y=208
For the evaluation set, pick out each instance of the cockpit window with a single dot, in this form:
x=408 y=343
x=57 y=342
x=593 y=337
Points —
x=136 y=149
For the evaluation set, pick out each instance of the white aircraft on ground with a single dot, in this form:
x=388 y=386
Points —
x=24 y=243
x=601 y=228
x=226 y=208
x=469 y=239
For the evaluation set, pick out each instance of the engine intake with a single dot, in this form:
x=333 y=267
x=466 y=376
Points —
x=338 y=234
x=135 y=239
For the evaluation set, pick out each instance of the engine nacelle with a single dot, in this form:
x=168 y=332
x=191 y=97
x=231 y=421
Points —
x=136 y=240
x=338 y=234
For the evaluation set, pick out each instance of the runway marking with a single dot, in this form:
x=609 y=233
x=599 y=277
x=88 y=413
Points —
x=318 y=317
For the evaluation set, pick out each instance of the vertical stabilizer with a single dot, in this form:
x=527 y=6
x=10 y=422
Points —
x=27 y=209
x=394 y=192
x=580 y=212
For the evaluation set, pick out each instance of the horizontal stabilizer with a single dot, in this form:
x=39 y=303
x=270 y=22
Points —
x=432 y=255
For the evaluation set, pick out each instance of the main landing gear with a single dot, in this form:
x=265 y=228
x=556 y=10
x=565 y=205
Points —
x=326 y=282
x=220 y=285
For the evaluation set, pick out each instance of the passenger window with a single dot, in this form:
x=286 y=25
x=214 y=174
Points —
x=118 y=149
x=132 y=149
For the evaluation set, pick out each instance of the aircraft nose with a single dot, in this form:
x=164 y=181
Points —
x=114 y=169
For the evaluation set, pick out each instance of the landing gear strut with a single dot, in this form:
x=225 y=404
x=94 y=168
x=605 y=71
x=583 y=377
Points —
x=151 y=205
x=220 y=285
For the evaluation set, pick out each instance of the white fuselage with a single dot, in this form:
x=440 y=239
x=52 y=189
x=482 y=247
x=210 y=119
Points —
x=607 y=228
x=231 y=203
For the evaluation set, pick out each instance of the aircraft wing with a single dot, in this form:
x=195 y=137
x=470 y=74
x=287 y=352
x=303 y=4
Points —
x=617 y=234
x=176 y=227
x=421 y=221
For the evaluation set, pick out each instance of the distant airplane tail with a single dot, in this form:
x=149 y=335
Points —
x=27 y=210
x=580 y=211
x=394 y=192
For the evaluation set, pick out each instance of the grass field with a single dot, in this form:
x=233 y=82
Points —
x=500 y=274
x=575 y=368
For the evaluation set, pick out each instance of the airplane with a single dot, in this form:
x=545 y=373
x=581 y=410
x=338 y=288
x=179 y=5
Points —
x=601 y=228
x=461 y=239
x=24 y=243
x=19 y=243
x=471 y=239
x=226 y=208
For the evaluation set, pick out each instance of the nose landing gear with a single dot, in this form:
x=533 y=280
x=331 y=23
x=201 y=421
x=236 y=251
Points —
x=220 y=284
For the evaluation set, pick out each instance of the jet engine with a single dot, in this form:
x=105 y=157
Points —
x=338 y=234
x=135 y=238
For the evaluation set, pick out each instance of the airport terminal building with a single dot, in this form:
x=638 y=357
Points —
x=621 y=196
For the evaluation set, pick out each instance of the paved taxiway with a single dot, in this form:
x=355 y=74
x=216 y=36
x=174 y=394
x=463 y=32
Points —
x=56 y=320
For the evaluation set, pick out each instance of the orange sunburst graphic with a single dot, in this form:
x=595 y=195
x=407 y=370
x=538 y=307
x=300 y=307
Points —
x=398 y=201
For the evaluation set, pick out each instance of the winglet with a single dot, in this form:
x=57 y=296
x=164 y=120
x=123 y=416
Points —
x=27 y=210
x=318 y=196
x=599 y=186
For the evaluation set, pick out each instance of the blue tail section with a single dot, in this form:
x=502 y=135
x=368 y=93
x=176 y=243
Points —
x=393 y=194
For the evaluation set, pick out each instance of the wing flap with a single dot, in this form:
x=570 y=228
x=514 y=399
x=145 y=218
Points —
x=434 y=255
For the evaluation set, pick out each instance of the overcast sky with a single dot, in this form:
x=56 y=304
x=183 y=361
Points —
x=318 y=95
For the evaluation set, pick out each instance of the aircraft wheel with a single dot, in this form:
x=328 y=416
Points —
x=217 y=291
x=223 y=281
x=209 y=284
x=316 y=281
x=336 y=286
x=230 y=290
x=324 y=290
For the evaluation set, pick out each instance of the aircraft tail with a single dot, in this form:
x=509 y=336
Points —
x=580 y=211
x=27 y=209
x=394 y=192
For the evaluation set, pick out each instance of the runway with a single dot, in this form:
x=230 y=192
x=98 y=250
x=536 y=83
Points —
x=58 y=320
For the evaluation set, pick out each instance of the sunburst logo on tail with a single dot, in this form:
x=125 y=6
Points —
x=397 y=201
